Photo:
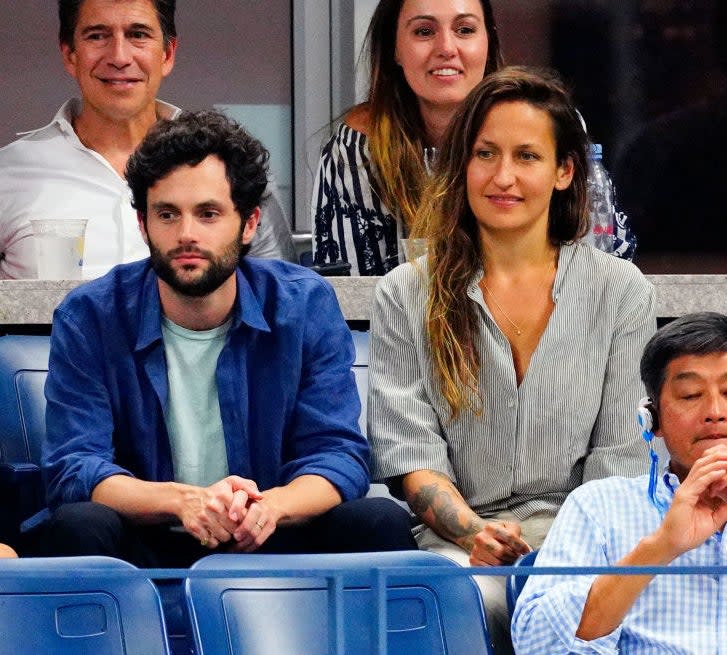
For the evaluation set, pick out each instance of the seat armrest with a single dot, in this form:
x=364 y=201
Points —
x=21 y=496
x=19 y=473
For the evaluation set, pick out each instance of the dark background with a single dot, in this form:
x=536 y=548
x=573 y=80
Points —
x=650 y=77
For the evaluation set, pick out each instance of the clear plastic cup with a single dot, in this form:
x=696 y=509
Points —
x=414 y=248
x=59 y=247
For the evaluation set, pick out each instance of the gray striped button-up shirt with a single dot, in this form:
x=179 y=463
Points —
x=571 y=419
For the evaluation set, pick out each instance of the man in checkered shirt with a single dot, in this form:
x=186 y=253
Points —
x=674 y=517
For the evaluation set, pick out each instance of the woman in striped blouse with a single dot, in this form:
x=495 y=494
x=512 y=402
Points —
x=504 y=365
x=424 y=56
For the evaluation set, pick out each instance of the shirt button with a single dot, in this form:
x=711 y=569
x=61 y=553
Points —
x=511 y=403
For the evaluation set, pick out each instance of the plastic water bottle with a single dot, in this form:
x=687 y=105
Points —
x=600 y=203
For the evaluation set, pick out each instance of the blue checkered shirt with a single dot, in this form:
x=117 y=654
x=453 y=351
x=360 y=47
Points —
x=598 y=525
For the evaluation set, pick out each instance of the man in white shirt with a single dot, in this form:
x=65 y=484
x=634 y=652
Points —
x=118 y=51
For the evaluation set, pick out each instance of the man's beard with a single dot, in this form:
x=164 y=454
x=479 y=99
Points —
x=218 y=270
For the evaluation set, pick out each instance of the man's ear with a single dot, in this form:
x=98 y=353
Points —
x=248 y=232
x=142 y=227
x=170 y=51
x=68 y=55
x=656 y=425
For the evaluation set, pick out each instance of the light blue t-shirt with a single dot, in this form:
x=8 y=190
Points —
x=193 y=417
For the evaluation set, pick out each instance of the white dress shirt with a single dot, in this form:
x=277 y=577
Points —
x=49 y=174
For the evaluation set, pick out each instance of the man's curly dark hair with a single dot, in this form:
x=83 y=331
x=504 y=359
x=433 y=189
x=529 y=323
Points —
x=188 y=140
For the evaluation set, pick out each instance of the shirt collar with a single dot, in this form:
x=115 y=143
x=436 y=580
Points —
x=63 y=119
x=247 y=309
x=150 y=319
x=566 y=255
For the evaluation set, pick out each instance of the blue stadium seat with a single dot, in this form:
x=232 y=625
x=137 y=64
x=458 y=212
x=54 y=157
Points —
x=361 y=371
x=515 y=583
x=23 y=369
x=49 y=607
x=361 y=375
x=292 y=615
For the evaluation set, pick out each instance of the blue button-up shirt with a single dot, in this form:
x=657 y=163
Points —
x=598 y=525
x=287 y=396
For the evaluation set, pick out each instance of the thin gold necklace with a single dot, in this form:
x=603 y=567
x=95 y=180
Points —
x=518 y=329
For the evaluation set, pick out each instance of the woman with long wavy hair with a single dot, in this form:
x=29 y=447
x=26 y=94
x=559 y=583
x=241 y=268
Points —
x=424 y=58
x=503 y=367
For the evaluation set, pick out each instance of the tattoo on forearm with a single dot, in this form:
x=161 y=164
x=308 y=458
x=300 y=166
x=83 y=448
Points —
x=439 y=500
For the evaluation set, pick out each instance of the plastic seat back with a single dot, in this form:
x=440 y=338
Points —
x=23 y=369
x=290 y=615
x=361 y=372
x=78 y=606
x=515 y=583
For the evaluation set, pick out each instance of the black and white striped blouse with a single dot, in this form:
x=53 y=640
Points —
x=350 y=222
x=571 y=419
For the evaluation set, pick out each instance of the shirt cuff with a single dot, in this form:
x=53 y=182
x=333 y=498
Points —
x=562 y=609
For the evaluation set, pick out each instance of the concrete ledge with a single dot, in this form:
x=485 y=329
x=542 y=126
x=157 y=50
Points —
x=683 y=294
x=31 y=302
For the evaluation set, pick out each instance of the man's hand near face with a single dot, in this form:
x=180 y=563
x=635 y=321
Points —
x=699 y=508
x=698 y=511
